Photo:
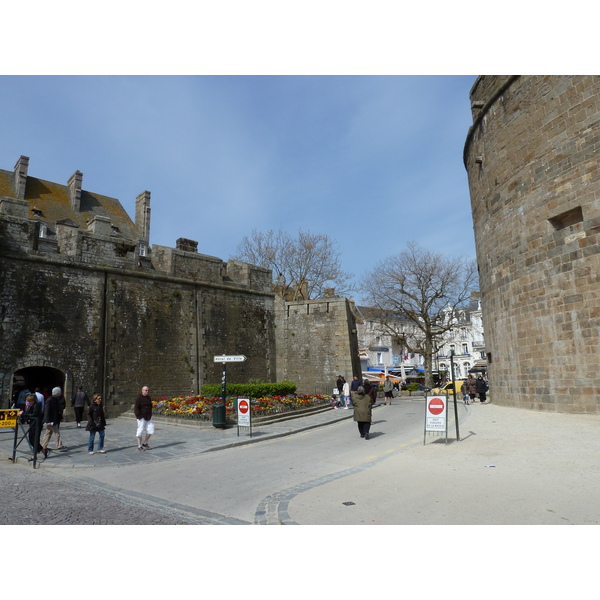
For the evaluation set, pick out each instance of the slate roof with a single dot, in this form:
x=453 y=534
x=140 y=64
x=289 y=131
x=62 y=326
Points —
x=52 y=199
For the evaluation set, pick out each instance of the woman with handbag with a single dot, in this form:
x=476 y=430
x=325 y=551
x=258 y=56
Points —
x=32 y=416
x=96 y=424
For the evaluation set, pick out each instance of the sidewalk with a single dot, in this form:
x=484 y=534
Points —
x=512 y=467
x=169 y=441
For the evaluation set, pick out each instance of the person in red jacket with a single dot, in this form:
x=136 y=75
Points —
x=143 y=413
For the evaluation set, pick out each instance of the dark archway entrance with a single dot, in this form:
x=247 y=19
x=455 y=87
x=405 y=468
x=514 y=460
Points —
x=42 y=377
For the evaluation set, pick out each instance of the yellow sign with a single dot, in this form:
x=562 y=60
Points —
x=8 y=418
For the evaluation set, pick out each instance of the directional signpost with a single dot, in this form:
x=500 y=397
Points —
x=230 y=359
x=219 y=409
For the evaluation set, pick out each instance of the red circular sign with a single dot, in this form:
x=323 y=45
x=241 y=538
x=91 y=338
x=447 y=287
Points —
x=436 y=406
x=243 y=406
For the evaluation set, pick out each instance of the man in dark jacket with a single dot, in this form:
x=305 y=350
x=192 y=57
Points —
x=143 y=413
x=52 y=417
x=79 y=401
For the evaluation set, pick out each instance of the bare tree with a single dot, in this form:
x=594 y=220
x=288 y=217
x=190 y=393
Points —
x=304 y=268
x=420 y=294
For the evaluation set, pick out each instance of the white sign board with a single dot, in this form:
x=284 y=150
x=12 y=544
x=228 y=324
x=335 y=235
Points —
x=436 y=413
x=228 y=359
x=243 y=407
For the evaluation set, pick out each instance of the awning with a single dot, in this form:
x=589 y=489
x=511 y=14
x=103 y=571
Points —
x=371 y=376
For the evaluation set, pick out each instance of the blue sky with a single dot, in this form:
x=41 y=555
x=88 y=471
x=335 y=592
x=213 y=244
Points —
x=325 y=116
x=372 y=161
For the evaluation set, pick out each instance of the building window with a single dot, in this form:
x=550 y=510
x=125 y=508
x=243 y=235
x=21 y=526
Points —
x=465 y=348
x=379 y=358
x=142 y=250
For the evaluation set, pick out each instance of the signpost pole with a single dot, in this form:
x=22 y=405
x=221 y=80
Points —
x=454 y=388
x=220 y=410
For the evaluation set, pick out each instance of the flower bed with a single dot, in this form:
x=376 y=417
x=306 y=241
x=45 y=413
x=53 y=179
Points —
x=201 y=408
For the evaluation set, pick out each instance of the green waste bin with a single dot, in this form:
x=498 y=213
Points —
x=219 y=415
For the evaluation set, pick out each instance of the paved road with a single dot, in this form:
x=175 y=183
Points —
x=153 y=487
x=512 y=466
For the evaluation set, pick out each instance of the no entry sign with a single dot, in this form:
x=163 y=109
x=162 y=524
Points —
x=435 y=415
x=243 y=412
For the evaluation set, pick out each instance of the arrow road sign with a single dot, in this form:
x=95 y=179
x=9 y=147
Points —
x=227 y=359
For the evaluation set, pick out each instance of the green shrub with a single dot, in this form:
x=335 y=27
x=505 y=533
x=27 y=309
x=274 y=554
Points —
x=251 y=390
x=412 y=387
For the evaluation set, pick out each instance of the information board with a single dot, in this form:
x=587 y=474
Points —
x=8 y=418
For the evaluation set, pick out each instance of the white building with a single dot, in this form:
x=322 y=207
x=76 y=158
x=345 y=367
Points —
x=467 y=343
x=378 y=349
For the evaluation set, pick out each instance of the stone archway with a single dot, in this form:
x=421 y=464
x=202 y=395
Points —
x=43 y=377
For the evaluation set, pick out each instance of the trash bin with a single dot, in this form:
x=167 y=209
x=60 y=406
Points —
x=219 y=415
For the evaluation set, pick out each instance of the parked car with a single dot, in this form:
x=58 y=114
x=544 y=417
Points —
x=448 y=388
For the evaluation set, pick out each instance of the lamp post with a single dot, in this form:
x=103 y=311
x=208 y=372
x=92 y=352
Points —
x=454 y=389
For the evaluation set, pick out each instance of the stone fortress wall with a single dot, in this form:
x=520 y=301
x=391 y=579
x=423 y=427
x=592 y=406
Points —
x=86 y=300
x=532 y=158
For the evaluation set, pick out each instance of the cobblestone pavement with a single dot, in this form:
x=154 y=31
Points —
x=42 y=496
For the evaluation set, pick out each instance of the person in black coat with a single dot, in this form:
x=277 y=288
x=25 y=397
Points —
x=482 y=388
x=96 y=424
x=32 y=415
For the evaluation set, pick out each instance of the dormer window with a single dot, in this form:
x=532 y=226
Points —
x=142 y=249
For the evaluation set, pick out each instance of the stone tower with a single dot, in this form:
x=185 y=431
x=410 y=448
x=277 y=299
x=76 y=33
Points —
x=532 y=157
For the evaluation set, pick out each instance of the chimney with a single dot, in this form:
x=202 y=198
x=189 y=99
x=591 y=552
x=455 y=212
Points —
x=21 y=176
x=99 y=225
x=142 y=216
x=75 y=190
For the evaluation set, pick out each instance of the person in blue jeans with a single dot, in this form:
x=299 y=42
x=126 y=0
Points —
x=96 y=424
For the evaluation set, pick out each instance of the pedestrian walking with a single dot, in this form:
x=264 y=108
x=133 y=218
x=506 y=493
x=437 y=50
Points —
x=52 y=418
x=356 y=382
x=96 y=424
x=371 y=391
x=463 y=391
x=32 y=416
x=362 y=412
x=482 y=388
x=79 y=401
x=388 y=390
x=143 y=413
x=471 y=386
x=346 y=395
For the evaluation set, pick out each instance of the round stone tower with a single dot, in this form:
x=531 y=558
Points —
x=533 y=163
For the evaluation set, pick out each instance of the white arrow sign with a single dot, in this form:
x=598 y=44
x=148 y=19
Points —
x=226 y=359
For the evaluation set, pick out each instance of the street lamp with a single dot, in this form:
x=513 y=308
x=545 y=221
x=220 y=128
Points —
x=454 y=389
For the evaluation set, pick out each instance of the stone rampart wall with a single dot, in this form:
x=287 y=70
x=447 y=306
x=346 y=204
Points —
x=316 y=342
x=532 y=162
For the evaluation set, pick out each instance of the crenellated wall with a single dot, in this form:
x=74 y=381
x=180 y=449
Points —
x=86 y=300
